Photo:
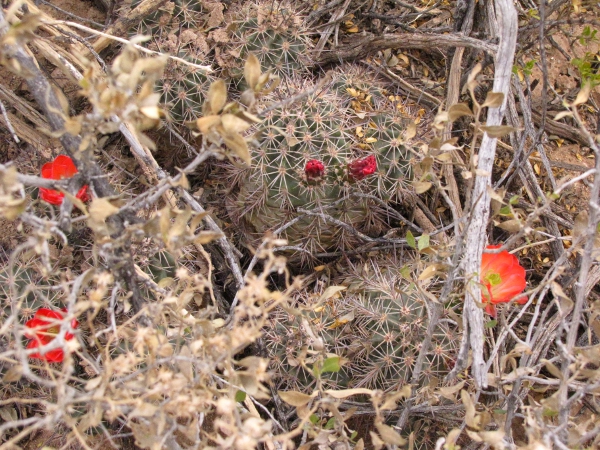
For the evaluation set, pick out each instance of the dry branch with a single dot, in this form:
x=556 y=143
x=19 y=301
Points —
x=360 y=48
x=560 y=129
x=480 y=207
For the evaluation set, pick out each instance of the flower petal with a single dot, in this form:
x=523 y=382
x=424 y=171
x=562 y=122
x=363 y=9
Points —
x=491 y=310
x=51 y=196
x=63 y=167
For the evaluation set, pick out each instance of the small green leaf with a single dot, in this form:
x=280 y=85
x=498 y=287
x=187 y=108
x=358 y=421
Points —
x=405 y=272
x=491 y=323
x=505 y=211
x=514 y=200
x=353 y=435
x=499 y=411
x=316 y=369
x=240 y=396
x=330 y=424
x=331 y=365
x=410 y=240
x=549 y=412
x=313 y=419
x=423 y=242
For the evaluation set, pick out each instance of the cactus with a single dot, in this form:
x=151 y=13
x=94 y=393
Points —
x=383 y=131
x=272 y=32
x=173 y=17
x=183 y=89
x=386 y=133
x=282 y=180
x=27 y=294
x=172 y=29
x=377 y=326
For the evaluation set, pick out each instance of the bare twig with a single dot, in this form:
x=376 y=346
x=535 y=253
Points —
x=207 y=69
x=8 y=124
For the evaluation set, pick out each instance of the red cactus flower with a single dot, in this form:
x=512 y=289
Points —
x=314 y=169
x=61 y=167
x=503 y=278
x=361 y=168
x=42 y=330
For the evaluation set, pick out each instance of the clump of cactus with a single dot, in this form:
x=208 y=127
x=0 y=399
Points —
x=272 y=32
x=380 y=127
x=387 y=134
x=183 y=89
x=301 y=161
x=173 y=17
x=310 y=167
x=173 y=30
x=376 y=327
x=22 y=289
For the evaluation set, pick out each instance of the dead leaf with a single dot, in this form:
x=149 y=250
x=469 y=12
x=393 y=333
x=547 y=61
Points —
x=459 y=110
x=233 y=124
x=392 y=399
x=295 y=398
x=470 y=418
x=100 y=209
x=389 y=435
x=512 y=226
x=205 y=124
x=345 y=393
x=421 y=186
x=450 y=391
x=498 y=131
x=330 y=292
x=217 y=96
x=238 y=145
x=252 y=71
x=584 y=94
x=493 y=100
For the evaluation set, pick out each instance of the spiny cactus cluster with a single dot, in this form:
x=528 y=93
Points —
x=183 y=88
x=173 y=29
x=312 y=156
x=315 y=161
x=22 y=289
x=300 y=162
x=275 y=40
x=377 y=327
x=173 y=17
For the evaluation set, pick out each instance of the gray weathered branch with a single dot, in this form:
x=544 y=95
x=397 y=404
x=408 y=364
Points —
x=480 y=207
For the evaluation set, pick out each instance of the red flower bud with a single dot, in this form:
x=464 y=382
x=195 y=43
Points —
x=314 y=170
x=61 y=167
x=362 y=168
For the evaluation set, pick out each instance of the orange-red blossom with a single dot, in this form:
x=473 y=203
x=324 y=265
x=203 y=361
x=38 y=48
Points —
x=61 y=167
x=43 y=329
x=503 y=279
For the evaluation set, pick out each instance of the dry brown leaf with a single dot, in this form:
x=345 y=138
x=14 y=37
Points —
x=295 y=398
x=217 y=96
